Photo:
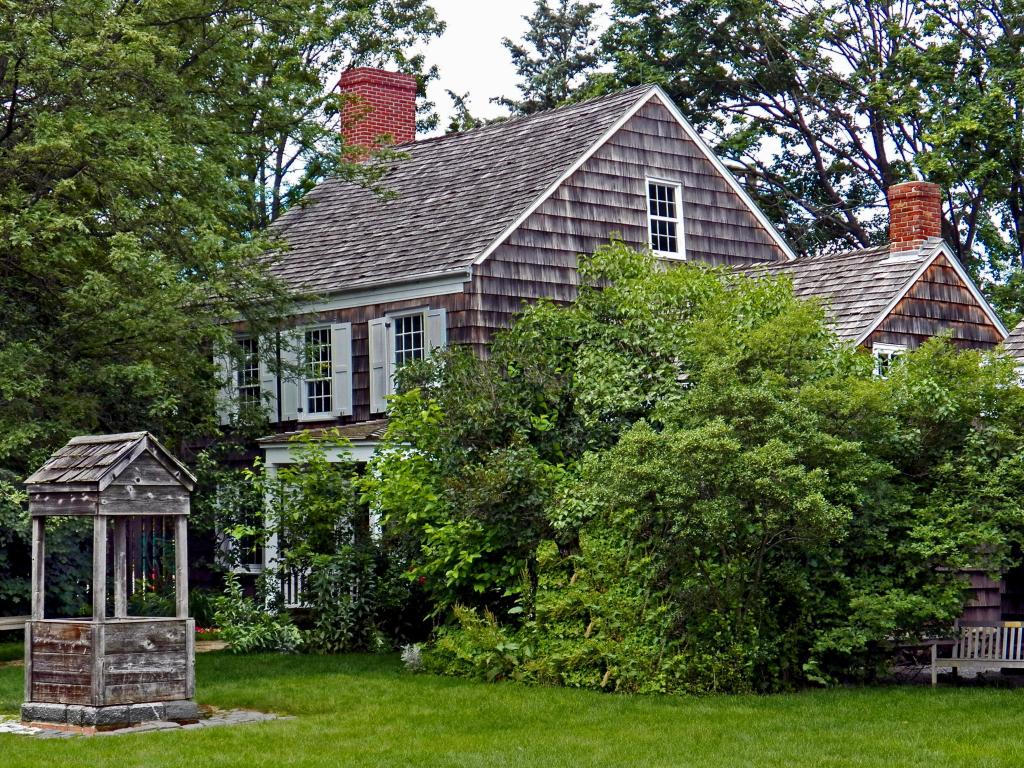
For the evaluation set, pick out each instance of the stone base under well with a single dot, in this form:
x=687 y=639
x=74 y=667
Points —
x=108 y=718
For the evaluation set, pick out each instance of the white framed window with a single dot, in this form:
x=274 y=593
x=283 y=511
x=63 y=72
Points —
x=398 y=339
x=665 y=218
x=322 y=386
x=885 y=355
x=247 y=374
x=248 y=379
x=408 y=333
x=317 y=387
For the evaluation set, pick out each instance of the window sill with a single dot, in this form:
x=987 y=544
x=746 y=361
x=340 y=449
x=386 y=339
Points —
x=247 y=570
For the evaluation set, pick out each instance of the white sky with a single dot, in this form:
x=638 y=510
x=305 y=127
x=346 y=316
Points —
x=470 y=57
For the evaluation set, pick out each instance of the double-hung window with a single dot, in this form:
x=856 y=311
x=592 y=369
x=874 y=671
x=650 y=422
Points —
x=316 y=379
x=317 y=389
x=409 y=339
x=247 y=375
x=885 y=356
x=396 y=340
x=664 y=218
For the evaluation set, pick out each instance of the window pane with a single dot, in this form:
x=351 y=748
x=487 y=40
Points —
x=663 y=215
x=318 y=370
x=248 y=377
x=409 y=339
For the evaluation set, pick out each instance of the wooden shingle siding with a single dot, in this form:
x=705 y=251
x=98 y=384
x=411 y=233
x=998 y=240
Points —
x=607 y=197
x=938 y=302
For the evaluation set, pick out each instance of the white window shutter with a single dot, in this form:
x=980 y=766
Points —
x=380 y=367
x=268 y=384
x=226 y=392
x=437 y=330
x=341 y=362
x=291 y=384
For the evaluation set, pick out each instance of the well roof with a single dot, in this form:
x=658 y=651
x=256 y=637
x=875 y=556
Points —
x=99 y=459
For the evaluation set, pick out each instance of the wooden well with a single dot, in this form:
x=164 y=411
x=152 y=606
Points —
x=110 y=670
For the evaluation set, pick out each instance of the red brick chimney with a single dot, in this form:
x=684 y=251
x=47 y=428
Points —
x=915 y=214
x=386 y=104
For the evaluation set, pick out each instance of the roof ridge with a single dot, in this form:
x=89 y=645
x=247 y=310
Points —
x=519 y=119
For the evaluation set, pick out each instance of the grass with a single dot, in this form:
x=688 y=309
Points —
x=11 y=651
x=365 y=711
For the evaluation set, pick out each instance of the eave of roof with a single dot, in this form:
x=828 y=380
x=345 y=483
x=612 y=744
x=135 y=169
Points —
x=363 y=431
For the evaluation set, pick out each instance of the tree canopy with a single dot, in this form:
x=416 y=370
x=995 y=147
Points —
x=143 y=147
x=559 y=47
x=685 y=482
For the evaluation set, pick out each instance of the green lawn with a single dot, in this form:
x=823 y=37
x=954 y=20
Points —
x=365 y=711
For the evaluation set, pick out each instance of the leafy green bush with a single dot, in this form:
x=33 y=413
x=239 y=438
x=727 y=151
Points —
x=249 y=626
x=685 y=482
x=341 y=591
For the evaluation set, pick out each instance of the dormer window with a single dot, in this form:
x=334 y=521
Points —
x=664 y=218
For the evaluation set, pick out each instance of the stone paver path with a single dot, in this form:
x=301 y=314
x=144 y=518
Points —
x=216 y=718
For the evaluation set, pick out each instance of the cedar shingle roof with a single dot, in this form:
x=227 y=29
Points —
x=97 y=459
x=855 y=286
x=453 y=196
x=1014 y=343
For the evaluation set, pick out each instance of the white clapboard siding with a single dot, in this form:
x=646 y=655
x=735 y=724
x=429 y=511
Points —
x=380 y=365
x=341 y=364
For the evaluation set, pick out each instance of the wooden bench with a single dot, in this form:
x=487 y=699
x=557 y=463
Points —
x=13 y=622
x=975 y=645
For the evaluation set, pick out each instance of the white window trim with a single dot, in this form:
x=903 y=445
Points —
x=679 y=255
x=392 y=348
x=892 y=350
x=305 y=415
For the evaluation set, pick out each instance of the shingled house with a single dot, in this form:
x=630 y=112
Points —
x=892 y=297
x=477 y=223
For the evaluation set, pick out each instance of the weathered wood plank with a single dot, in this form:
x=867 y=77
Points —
x=145 y=636
x=58 y=677
x=38 y=568
x=29 y=651
x=190 y=658
x=133 y=693
x=120 y=568
x=58 y=693
x=71 y=663
x=99 y=568
x=99 y=650
x=145 y=470
x=56 y=504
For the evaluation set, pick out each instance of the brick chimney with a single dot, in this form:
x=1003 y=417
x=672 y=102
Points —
x=915 y=214
x=386 y=105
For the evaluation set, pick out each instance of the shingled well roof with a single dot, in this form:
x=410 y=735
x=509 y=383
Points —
x=96 y=459
x=452 y=197
x=855 y=286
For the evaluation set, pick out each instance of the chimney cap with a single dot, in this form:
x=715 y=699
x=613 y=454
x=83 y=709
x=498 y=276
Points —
x=372 y=75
